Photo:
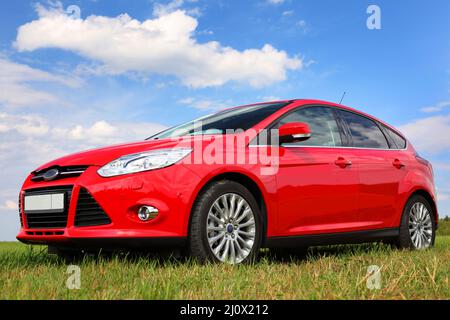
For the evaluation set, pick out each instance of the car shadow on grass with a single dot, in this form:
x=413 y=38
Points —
x=38 y=256
x=299 y=255
x=295 y=255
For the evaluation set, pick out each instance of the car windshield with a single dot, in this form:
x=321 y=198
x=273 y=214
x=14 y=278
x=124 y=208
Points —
x=242 y=118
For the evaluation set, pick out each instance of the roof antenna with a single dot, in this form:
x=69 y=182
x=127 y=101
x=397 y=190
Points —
x=342 y=99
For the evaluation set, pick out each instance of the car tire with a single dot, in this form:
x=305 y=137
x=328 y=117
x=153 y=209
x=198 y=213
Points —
x=418 y=225
x=226 y=224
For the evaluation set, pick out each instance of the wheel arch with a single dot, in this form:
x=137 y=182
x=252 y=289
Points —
x=427 y=195
x=243 y=179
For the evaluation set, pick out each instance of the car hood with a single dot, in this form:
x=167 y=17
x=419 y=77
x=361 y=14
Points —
x=102 y=156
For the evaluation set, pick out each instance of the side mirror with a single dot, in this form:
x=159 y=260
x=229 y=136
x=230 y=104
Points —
x=293 y=132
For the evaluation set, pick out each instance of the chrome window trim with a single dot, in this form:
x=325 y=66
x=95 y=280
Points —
x=326 y=147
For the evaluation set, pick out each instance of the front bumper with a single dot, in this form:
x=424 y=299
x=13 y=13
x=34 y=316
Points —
x=169 y=189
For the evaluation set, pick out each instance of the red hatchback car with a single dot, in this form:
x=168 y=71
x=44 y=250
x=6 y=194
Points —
x=281 y=174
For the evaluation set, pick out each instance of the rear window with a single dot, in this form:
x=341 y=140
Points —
x=365 y=132
x=398 y=140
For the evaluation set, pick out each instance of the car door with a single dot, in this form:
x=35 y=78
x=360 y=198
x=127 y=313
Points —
x=316 y=184
x=380 y=170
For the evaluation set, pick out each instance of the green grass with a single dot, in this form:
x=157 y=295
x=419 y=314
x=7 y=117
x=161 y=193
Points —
x=337 y=272
x=444 y=227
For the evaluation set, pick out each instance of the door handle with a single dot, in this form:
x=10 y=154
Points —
x=342 y=162
x=398 y=164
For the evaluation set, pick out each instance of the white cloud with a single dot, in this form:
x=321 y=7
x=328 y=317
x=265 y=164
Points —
x=302 y=25
x=271 y=98
x=205 y=104
x=160 y=9
x=29 y=125
x=441 y=166
x=443 y=196
x=9 y=205
x=288 y=13
x=275 y=1
x=16 y=72
x=28 y=130
x=164 y=45
x=429 y=134
x=15 y=88
x=437 y=107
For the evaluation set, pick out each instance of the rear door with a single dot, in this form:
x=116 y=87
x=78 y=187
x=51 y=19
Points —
x=380 y=169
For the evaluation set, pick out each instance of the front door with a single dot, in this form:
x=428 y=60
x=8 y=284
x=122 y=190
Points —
x=317 y=185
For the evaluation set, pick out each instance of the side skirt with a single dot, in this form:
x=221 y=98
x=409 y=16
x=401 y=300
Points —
x=353 y=237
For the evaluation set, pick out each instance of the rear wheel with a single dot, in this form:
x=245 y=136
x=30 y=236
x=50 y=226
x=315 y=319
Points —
x=226 y=224
x=418 y=226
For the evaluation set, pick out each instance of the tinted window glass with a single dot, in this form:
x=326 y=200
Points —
x=242 y=118
x=324 y=130
x=400 y=143
x=365 y=132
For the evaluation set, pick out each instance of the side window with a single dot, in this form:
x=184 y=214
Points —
x=399 y=141
x=365 y=132
x=324 y=129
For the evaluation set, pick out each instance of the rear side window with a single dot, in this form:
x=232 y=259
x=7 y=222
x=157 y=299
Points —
x=365 y=132
x=398 y=140
x=324 y=129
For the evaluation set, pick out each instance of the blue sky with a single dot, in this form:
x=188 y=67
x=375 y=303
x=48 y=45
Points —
x=69 y=83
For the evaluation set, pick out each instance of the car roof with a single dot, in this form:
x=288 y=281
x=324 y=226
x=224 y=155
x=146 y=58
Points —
x=294 y=103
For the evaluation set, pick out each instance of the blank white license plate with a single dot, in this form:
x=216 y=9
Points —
x=45 y=202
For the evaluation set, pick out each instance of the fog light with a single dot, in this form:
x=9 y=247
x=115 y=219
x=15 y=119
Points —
x=146 y=213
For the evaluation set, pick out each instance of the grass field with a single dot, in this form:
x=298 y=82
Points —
x=338 y=272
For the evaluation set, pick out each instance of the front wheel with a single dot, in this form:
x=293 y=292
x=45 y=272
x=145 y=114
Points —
x=418 y=226
x=225 y=224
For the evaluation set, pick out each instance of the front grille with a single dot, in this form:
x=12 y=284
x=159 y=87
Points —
x=89 y=212
x=64 y=172
x=49 y=220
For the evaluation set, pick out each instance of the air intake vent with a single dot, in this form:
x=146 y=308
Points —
x=89 y=212
x=47 y=218
x=20 y=211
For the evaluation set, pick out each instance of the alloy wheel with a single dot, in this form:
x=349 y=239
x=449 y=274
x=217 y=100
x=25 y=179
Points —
x=231 y=228
x=420 y=226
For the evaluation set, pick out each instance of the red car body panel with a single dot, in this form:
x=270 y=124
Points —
x=309 y=195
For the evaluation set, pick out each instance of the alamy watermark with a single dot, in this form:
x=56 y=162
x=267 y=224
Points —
x=373 y=277
x=234 y=147
x=74 y=11
x=74 y=280
x=374 y=20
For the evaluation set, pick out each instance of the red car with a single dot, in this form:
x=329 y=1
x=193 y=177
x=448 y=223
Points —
x=281 y=174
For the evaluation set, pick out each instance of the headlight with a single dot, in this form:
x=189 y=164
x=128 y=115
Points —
x=144 y=161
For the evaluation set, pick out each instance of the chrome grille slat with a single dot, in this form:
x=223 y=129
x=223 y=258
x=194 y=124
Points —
x=64 y=172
